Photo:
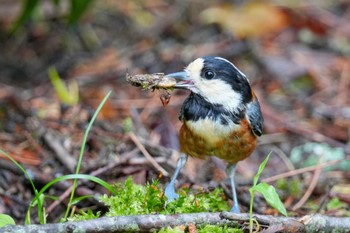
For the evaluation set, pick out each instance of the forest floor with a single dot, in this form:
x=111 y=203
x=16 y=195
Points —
x=296 y=57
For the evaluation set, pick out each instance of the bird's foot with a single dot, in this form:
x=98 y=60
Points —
x=235 y=209
x=170 y=193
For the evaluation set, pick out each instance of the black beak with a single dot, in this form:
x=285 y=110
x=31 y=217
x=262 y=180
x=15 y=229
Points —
x=182 y=80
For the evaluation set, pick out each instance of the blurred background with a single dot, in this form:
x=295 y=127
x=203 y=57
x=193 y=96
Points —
x=59 y=58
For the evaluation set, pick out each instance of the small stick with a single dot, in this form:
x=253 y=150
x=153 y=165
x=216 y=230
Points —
x=147 y=155
x=304 y=169
x=309 y=190
x=61 y=153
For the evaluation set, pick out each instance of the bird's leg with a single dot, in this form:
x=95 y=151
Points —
x=231 y=169
x=170 y=189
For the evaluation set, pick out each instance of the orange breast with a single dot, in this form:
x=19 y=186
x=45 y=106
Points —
x=233 y=147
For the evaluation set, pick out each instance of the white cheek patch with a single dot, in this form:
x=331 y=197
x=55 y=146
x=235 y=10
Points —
x=194 y=69
x=215 y=91
x=219 y=92
x=211 y=131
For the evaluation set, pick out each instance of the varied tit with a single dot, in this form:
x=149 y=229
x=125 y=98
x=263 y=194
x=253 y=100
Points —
x=221 y=117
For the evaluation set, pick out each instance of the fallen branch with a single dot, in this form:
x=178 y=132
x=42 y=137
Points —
x=322 y=223
x=147 y=223
x=61 y=153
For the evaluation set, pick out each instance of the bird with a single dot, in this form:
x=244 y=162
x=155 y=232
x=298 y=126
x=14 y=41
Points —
x=221 y=117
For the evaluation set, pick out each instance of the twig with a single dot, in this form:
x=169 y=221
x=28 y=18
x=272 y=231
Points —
x=161 y=151
x=323 y=223
x=143 y=161
x=271 y=138
x=62 y=154
x=147 y=155
x=170 y=154
x=34 y=143
x=123 y=158
x=309 y=190
x=305 y=169
x=284 y=158
x=63 y=196
x=150 y=223
x=343 y=85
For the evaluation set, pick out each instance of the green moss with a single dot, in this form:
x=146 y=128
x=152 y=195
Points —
x=335 y=204
x=149 y=199
x=290 y=186
x=217 y=229
x=85 y=215
x=171 y=230
x=198 y=202
x=134 y=199
x=295 y=188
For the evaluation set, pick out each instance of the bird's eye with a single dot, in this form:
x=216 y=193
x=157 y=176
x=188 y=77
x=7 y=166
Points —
x=209 y=74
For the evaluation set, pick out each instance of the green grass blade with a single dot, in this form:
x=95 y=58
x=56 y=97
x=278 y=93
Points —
x=28 y=9
x=68 y=95
x=21 y=168
x=82 y=149
x=37 y=196
x=79 y=199
x=252 y=191
x=79 y=176
x=78 y=8
x=261 y=169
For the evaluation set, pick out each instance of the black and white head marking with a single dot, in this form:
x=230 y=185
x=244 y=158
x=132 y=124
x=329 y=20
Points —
x=219 y=82
x=221 y=97
x=240 y=72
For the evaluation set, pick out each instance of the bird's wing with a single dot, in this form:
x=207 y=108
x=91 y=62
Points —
x=254 y=116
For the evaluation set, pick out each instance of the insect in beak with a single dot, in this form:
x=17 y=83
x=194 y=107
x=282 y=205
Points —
x=182 y=80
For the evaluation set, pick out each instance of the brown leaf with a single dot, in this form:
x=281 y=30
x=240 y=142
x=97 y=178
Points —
x=24 y=156
x=253 y=19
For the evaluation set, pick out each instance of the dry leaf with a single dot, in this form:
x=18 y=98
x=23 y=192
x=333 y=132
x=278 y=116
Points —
x=253 y=19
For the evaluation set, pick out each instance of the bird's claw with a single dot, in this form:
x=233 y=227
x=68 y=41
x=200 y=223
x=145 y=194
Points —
x=170 y=194
x=235 y=209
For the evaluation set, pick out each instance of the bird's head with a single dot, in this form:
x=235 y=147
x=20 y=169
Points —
x=217 y=80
